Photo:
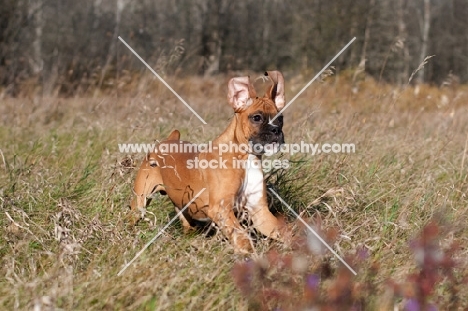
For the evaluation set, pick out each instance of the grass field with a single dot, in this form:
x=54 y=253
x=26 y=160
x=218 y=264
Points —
x=65 y=190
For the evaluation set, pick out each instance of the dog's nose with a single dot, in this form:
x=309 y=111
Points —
x=275 y=130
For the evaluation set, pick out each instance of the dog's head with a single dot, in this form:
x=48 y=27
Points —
x=255 y=113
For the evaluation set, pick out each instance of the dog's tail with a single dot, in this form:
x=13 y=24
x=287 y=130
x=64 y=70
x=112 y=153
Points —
x=175 y=135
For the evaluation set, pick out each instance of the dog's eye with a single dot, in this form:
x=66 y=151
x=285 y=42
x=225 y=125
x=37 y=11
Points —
x=257 y=118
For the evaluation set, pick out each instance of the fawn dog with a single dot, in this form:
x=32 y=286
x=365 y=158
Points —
x=228 y=185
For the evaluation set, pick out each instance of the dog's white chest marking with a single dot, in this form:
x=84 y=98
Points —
x=253 y=183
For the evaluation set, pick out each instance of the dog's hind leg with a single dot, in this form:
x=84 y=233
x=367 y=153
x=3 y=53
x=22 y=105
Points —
x=147 y=182
x=187 y=227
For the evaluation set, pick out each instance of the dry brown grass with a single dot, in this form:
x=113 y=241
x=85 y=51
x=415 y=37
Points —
x=64 y=188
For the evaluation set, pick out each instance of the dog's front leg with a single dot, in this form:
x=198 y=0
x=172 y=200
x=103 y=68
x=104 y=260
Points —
x=222 y=213
x=264 y=221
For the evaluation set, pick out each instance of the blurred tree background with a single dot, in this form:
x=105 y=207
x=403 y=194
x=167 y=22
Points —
x=74 y=44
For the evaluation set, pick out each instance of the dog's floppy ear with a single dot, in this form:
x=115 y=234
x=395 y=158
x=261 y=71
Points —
x=276 y=91
x=240 y=92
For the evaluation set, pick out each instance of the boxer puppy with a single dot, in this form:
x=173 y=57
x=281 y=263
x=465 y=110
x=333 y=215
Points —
x=232 y=177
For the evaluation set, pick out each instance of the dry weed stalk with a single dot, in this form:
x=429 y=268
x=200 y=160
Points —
x=420 y=67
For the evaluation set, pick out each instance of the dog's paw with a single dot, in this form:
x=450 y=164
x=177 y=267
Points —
x=242 y=243
x=188 y=229
x=132 y=219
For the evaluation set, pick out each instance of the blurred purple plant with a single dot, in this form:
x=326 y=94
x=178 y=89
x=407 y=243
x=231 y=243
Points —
x=302 y=280
x=434 y=266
